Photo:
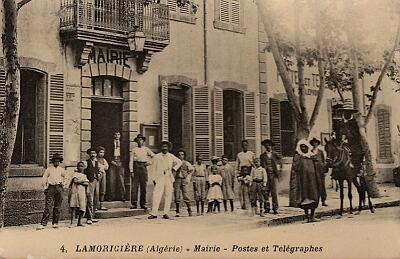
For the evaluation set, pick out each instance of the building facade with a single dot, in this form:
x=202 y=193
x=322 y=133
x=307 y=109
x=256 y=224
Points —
x=90 y=68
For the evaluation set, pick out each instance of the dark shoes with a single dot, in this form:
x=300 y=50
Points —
x=165 y=216
x=324 y=204
x=152 y=217
x=275 y=212
x=95 y=220
x=143 y=207
x=133 y=207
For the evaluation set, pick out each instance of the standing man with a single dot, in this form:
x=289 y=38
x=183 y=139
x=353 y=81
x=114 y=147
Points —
x=92 y=172
x=103 y=167
x=270 y=161
x=181 y=184
x=320 y=166
x=164 y=165
x=244 y=164
x=53 y=179
x=116 y=170
x=138 y=168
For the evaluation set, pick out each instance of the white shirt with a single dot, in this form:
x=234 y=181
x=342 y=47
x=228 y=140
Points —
x=53 y=176
x=244 y=159
x=140 y=154
x=163 y=165
x=117 y=148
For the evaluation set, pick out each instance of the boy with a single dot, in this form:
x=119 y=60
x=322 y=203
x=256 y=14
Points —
x=181 y=184
x=103 y=167
x=244 y=163
x=53 y=179
x=92 y=173
x=257 y=186
x=200 y=176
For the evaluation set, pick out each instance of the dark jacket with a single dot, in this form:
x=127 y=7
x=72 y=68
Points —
x=92 y=172
x=276 y=159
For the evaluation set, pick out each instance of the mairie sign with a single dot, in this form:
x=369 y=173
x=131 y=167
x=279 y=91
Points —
x=106 y=55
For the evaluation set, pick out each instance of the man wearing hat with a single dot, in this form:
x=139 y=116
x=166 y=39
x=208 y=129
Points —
x=270 y=160
x=53 y=179
x=165 y=165
x=138 y=163
x=244 y=164
x=92 y=172
x=320 y=166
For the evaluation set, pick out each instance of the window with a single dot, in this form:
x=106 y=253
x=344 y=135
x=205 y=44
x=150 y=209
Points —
x=28 y=148
x=384 y=140
x=229 y=15
x=233 y=122
x=107 y=87
x=283 y=129
x=182 y=14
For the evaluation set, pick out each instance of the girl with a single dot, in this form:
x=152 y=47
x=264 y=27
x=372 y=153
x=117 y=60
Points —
x=77 y=193
x=228 y=176
x=308 y=179
x=214 y=195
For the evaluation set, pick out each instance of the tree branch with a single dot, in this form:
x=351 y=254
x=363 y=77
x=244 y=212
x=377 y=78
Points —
x=280 y=64
x=382 y=74
x=22 y=3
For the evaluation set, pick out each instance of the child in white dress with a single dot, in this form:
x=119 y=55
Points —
x=77 y=198
x=214 y=195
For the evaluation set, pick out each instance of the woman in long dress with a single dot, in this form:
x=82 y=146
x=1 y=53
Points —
x=308 y=180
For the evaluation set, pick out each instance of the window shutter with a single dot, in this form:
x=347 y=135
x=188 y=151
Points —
x=225 y=11
x=235 y=12
x=250 y=119
x=384 y=136
x=202 y=122
x=218 y=121
x=187 y=126
x=275 y=121
x=172 y=5
x=164 y=110
x=2 y=92
x=56 y=114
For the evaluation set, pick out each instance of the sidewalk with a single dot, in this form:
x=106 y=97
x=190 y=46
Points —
x=390 y=196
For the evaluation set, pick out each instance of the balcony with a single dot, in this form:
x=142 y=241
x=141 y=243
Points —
x=110 y=21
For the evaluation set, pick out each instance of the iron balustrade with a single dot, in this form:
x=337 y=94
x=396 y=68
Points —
x=116 y=17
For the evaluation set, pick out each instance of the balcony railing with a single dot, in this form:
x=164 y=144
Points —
x=117 y=17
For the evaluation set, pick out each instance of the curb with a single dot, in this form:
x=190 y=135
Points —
x=328 y=213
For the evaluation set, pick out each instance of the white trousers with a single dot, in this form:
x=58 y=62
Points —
x=164 y=186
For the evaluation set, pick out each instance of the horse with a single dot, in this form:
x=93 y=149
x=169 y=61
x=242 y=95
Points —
x=339 y=159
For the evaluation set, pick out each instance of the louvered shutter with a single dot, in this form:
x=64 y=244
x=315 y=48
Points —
x=275 y=122
x=172 y=5
x=202 y=122
x=218 y=121
x=187 y=126
x=225 y=11
x=384 y=136
x=164 y=110
x=250 y=119
x=56 y=114
x=235 y=12
x=2 y=92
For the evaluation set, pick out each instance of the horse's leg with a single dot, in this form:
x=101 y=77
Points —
x=364 y=184
x=350 y=195
x=360 y=194
x=341 y=197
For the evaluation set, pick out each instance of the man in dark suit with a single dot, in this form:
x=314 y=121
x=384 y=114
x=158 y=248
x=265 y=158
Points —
x=270 y=160
x=92 y=172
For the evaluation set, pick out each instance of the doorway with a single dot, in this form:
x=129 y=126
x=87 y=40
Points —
x=106 y=120
x=179 y=120
x=233 y=122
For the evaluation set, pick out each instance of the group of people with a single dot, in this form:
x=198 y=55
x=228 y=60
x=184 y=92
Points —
x=174 y=176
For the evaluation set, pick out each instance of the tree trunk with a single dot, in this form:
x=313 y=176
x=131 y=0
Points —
x=358 y=103
x=9 y=120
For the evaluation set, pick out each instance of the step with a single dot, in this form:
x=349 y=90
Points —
x=116 y=204
x=119 y=213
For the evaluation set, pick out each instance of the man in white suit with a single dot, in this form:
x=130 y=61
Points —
x=164 y=166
